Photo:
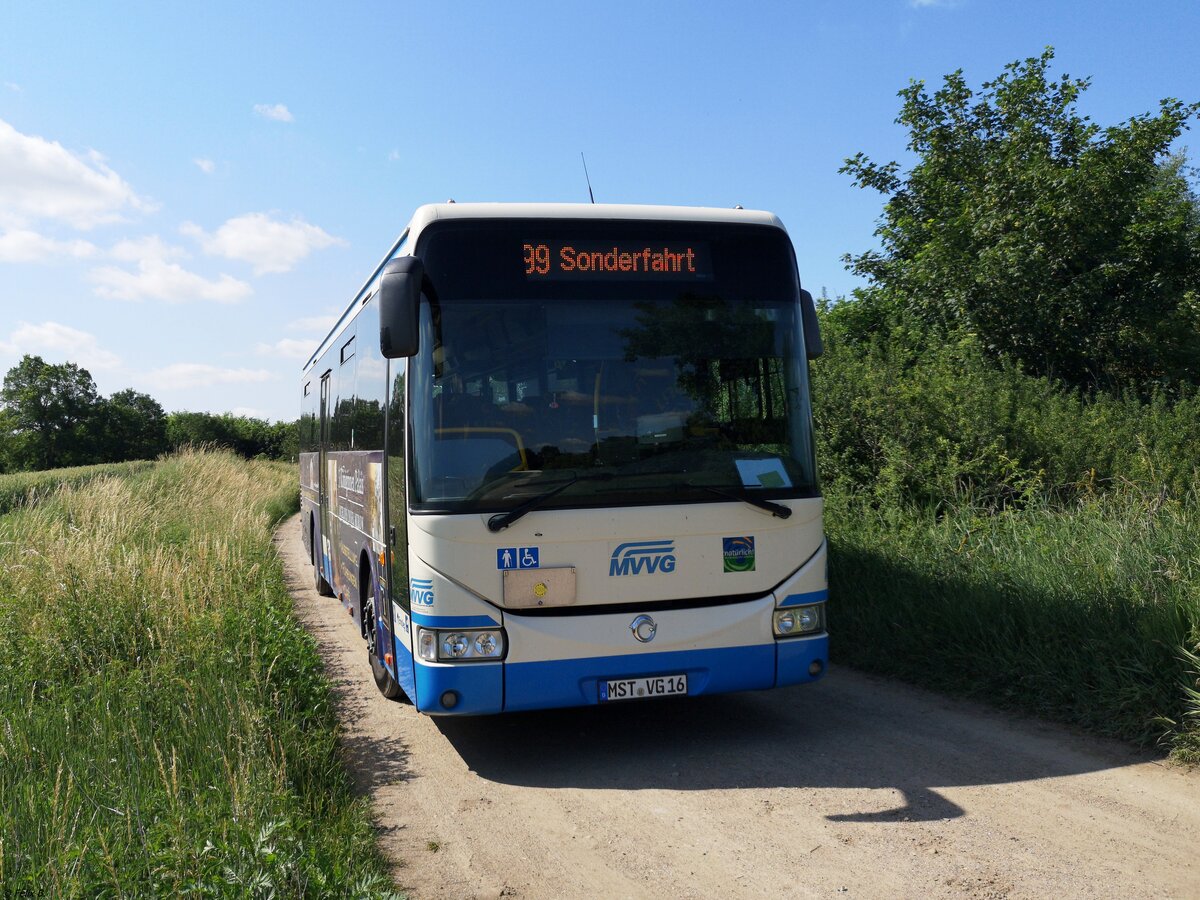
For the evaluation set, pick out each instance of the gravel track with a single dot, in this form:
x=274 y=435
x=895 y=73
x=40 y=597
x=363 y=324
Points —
x=854 y=786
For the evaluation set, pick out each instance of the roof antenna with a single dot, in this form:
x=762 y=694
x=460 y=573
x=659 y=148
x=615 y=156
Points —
x=585 y=175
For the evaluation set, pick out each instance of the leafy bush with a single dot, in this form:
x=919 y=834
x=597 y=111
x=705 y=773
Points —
x=1001 y=535
x=248 y=437
x=947 y=424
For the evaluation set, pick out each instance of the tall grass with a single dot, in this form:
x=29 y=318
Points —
x=164 y=725
x=20 y=488
x=1005 y=536
x=1087 y=611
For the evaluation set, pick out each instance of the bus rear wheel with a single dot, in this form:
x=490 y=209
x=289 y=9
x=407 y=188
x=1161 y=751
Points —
x=320 y=585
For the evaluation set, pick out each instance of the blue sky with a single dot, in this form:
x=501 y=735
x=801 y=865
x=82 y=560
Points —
x=190 y=192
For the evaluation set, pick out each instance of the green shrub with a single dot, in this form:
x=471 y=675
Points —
x=944 y=425
x=998 y=535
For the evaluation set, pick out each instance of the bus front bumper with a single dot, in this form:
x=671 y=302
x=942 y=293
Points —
x=480 y=688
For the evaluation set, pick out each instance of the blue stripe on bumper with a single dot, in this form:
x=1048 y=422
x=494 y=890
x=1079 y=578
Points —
x=576 y=682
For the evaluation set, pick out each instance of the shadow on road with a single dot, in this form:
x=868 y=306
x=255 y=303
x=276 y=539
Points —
x=849 y=731
x=373 y=759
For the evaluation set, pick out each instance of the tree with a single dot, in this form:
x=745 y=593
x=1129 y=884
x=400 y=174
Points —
x=51 y=416
x=8 y=441
x=1072 y=249
x=244 y=435
x=48 y=411
x=287 y=439
x=132 y=425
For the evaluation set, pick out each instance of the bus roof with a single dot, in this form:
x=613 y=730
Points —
x=433 y=212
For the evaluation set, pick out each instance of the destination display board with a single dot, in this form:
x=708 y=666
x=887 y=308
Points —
x=590 y=260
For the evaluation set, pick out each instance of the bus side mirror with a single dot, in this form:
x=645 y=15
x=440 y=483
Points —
x=813 y=345
x=399 y=301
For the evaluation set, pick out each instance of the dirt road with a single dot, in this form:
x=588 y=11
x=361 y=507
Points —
x=854 y=786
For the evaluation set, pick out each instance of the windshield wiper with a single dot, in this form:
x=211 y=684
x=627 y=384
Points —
x=776 y=509
x=501 y=521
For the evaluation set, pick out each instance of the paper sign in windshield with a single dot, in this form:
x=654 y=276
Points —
x=764 y=473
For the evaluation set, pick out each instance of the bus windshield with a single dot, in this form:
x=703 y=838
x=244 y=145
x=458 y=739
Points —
x=608 y=364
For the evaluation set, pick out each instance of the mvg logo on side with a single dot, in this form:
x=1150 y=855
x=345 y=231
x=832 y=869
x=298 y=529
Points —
x=421 y=591
x=642 y=558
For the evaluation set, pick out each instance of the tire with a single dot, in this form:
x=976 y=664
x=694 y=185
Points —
x=387 y=685
x=320 y=585
x=384 y=681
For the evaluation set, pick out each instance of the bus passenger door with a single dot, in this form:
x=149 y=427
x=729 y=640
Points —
x=323 y=478
x=397 y=509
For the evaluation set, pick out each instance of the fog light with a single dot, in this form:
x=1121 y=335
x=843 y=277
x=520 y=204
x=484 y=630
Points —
x=449 y=699
x=816 y=667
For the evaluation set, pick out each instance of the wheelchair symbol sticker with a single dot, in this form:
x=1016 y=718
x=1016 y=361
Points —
x=517 y=558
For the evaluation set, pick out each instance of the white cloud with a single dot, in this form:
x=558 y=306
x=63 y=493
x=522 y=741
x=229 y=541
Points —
x=287 y=348
x=249 y=412
x=276 y=113
x=23 y=246
x=313 y=324
x=207 y=166
x=266 y=243
x=13 y=86
x=190 y=375
x=59 y=342
x=40 y=179
x=156 y=279
x=151 y=247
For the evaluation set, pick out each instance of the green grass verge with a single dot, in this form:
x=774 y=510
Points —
x=23 y=488
x=1088 y=614
x=165 y=727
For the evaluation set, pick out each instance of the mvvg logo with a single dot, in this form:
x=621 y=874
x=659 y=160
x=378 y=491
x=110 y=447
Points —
x=642 y=557
x=421 y=591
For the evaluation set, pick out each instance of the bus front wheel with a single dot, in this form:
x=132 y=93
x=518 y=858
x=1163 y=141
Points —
x=384 y=681
x=383 y=678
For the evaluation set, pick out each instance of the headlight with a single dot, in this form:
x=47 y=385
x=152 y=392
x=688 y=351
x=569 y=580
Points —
x=455 y=646
x=799 y=620
x=459 y=646
x=487 y=645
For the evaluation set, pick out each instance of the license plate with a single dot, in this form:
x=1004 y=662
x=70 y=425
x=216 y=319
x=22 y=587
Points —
x=642 y=688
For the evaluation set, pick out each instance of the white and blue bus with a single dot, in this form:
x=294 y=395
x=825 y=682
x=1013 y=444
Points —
x=559 y=455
